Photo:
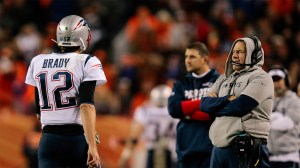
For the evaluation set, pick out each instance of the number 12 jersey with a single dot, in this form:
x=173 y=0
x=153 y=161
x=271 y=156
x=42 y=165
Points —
x=57 y=77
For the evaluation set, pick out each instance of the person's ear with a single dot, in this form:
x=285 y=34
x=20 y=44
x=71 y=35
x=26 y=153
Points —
x=206 y=59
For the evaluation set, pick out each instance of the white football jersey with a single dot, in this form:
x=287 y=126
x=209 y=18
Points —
x=57 y=77
x=157 y=124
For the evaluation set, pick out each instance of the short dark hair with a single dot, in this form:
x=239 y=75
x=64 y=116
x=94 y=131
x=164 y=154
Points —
x=200 y=47
x=61 y=49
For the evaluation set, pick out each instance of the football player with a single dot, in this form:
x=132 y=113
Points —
x=157 y=127
x=64 y=84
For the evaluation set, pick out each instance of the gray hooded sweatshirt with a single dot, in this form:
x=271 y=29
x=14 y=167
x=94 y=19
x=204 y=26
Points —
x=285 y=124
x=252 y=81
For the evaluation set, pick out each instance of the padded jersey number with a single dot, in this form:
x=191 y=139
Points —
x=157 y=131
x=57 y=91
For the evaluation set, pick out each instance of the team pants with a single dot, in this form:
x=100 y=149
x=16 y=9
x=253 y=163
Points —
x=288 y=164
x=196 y=161
x=62 y=151
x=227 y=158
x=167 y=161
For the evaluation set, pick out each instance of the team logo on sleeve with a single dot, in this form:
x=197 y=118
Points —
x=97 y=66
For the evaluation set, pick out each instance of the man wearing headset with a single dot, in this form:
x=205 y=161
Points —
x=284 y=142
x=241 y=100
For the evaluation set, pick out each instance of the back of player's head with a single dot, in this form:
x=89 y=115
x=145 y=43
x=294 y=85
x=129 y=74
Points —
x=73 y=31
x=159 y=95
x=200 y=47
x=277 y=72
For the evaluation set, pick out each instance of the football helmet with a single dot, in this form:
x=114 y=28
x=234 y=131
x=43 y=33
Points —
x=73 y=31
x=159 y=95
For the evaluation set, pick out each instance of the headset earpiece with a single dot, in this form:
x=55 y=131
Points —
x=286 y=79
x=256 y=55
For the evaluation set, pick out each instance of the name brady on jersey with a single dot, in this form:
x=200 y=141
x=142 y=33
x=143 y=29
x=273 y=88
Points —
x=56 y=63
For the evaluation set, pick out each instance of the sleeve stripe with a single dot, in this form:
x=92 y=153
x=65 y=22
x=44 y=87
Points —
x=97 y=65
x=89 y=56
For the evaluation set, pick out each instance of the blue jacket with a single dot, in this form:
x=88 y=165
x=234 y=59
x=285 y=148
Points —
x=192 y=135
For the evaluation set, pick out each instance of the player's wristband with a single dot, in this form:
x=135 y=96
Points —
x=190 y=106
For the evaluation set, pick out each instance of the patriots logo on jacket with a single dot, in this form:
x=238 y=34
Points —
x=195 y=94
x=207 y=84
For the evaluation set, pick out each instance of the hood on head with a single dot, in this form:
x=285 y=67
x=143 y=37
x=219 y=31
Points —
x=250 y=47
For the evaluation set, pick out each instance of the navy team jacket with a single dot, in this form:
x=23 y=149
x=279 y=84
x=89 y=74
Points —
x=192 y=135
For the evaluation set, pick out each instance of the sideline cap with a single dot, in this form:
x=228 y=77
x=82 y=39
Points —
x=277 y=73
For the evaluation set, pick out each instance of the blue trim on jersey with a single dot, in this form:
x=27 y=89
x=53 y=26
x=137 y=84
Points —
x=37 y=101
x=87 y=58
x=86 y=92
x=192 y=135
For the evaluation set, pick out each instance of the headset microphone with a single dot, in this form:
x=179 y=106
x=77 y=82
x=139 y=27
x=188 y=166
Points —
x=239 y=64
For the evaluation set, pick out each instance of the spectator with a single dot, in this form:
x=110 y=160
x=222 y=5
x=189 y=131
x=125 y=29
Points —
x=298 y=89
x=31 y=145
x=7 y=75
x=141 y=30
x=28 y=41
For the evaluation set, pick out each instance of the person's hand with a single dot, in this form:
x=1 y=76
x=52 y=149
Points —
x=38 y=117
x=231 y=98
x=212 y=94
x=93 y=160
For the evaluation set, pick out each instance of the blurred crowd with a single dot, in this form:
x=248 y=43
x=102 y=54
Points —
x=141 y=42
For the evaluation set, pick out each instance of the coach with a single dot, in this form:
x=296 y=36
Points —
x=193 y=146
x=284 y=142
x=241 y=100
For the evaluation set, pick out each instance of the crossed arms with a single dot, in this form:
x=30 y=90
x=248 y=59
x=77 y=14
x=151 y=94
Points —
x=227 y=105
